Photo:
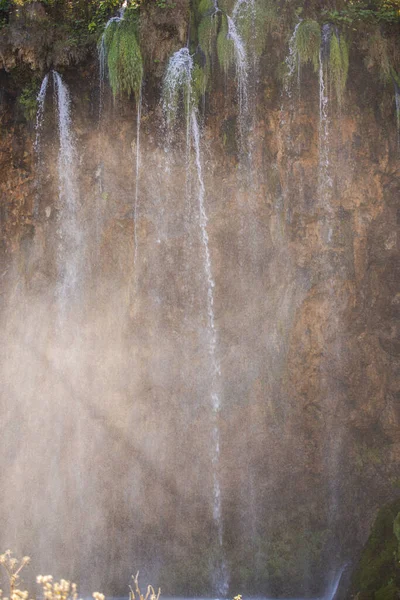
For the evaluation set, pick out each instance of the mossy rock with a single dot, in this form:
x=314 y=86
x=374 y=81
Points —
x=388 y=592
x=377 y=576
x=308 y=42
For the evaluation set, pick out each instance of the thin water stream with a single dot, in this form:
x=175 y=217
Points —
x=178 y=82
x=325 y=179
x=71 y=237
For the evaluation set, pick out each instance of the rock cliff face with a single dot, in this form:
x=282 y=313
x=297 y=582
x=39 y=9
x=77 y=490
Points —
x=108 y=427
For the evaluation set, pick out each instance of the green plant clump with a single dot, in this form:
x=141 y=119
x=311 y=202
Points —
x=28 y=102
x=225 y=47
x=205 y=6
x=256 y=22
x=200 y=80
x=124 y=59
x=207 y=34
x=4 y=11
x=381 y=11
x=308 y=42
x=377 y=576
x=338 y=65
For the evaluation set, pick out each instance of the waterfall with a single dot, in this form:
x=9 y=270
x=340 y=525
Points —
x=178 y=80
x=221 y=575
x=102 y=72
x=324 y=178
x=397 y=101
x=41 y=97
x=288 y=108
x=40 y=112
x=135 y=208
x=333 y=587
x=246 y=4
x=178 y=77
x=70 y=244
x=292 y=61
x=241 y=69
x=241 y=64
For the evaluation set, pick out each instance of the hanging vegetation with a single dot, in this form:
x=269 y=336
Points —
x=124 y=59
x=308 y=42
x=338 y=65
x=225 y=47
x=207 y=33
x=178 y=85
x=200 y=80
x=255 y=21
x=205 y=6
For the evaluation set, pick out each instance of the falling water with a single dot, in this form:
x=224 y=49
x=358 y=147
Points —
x=221 y=575
x=135 y=208
x=244 y=9
x=292 y=61
x=40 y=111
x=70 y=234
x=397 y=100
x=38 y=131
x=102 y=71
x=241 y=67
x=178 y=79
x=325 y=180
x=240 y=4
x=333 y=587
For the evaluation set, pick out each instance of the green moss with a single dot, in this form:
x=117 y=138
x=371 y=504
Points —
x=354 y=13
x=254 y=25
x=205 y=6
x=185 y=91
x=387 y=592
x=207 y=33
x=27 y=101
x=378 y=575
x=308 y=42
x=124 y=59
x=225 y=47
x=290 y=550
x=200 y=80
x=338 y=65
x=226 y=5
x=367 y=455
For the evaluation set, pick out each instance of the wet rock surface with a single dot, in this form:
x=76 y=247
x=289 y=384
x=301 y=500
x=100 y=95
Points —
x=306 y=308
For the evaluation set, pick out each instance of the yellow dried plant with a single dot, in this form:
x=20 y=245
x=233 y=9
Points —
x=13 y=568
x=136 y=594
